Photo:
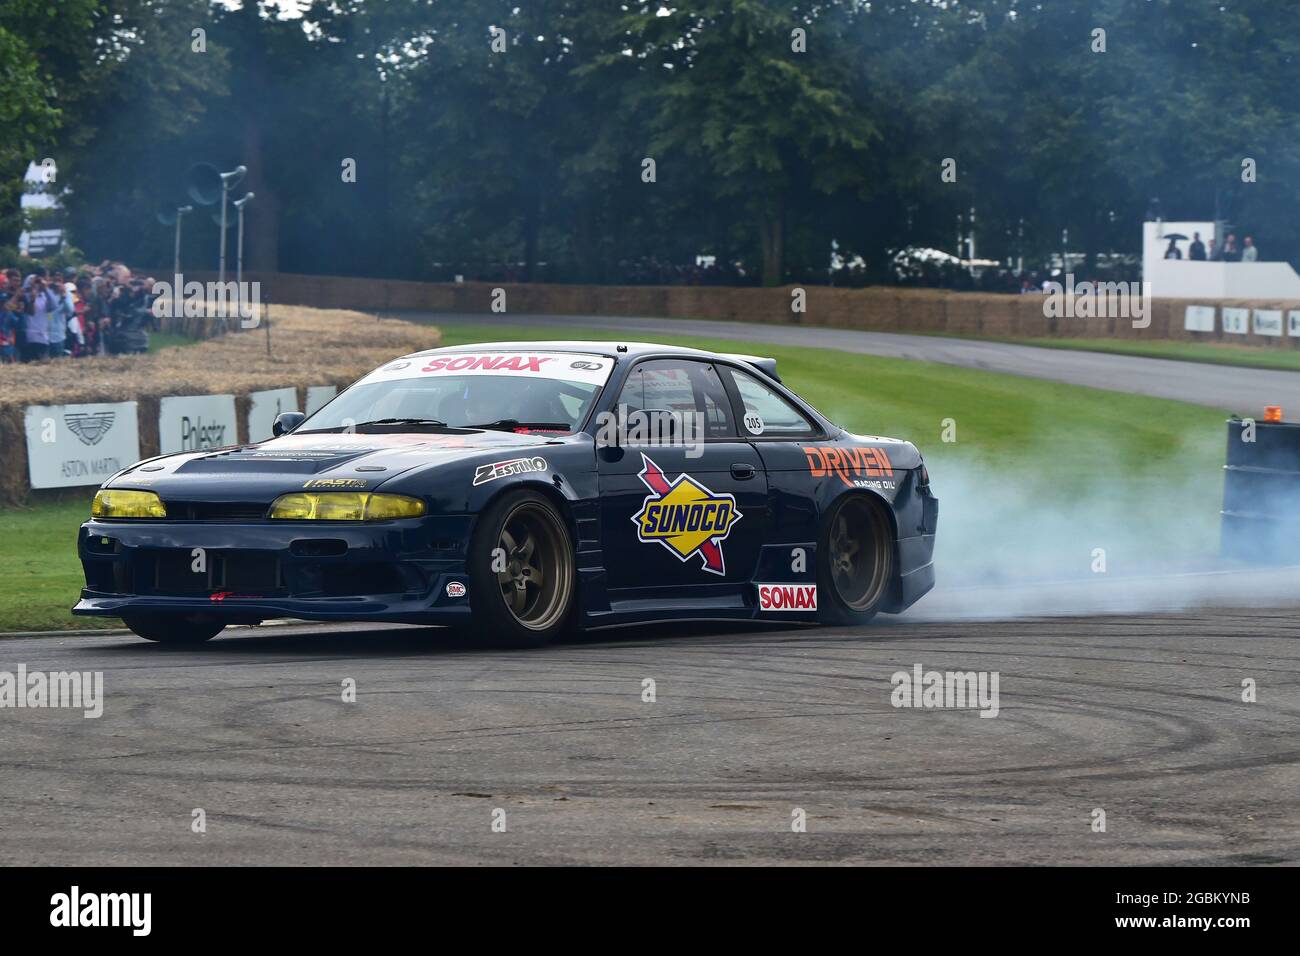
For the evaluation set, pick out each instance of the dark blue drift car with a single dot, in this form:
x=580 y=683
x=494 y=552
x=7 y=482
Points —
x=530 y=488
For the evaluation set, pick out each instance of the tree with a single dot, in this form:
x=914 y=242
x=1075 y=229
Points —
x=735 y=101
x=42 y=66
x=131 y=139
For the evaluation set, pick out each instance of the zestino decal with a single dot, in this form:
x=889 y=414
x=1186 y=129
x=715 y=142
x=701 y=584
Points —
x=849 y=464
x=685 y=517
x=504 y=469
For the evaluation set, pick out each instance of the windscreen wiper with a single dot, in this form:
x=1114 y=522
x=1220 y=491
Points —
x=510 y=424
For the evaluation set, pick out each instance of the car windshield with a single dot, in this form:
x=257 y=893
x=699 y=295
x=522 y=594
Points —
x=536 y=391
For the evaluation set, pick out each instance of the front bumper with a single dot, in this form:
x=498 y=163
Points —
x=247 y=571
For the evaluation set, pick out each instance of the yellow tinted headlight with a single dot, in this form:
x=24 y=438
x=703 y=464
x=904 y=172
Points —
x=118 y=503
x=294 y=506
x=346 y=506
x=341 y=506
x=387 y=507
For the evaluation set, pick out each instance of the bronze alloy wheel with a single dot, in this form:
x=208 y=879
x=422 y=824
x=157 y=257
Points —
x=861 y=554
x=538 y=573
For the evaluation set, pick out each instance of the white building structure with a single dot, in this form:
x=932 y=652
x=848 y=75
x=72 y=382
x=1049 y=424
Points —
x=1192 y=279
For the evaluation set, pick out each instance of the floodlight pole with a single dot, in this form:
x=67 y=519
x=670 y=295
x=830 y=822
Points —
x=176 y=254
x=227 y=180
x=221 y=268
x=970 y=242
x=239 y=240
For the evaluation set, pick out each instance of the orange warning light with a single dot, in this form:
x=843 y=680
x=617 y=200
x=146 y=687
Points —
x=1272 y=413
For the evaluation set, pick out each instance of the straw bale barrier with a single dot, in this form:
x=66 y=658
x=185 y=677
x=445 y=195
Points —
x=879 y=308
x=308 y=347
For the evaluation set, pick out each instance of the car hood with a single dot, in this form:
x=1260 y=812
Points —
x=261 y=471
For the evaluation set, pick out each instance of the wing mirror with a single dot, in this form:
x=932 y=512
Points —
x=286 y=422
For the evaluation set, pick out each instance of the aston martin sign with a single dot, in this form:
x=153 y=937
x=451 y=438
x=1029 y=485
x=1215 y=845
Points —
x=70 y=445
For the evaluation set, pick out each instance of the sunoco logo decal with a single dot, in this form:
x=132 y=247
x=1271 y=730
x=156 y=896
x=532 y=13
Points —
x=504 y=469
x=685 y=517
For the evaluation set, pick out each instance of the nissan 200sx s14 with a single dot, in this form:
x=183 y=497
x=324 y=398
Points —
x=530 y=488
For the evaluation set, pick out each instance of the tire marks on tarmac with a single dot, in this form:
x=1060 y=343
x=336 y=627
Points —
x=1140 y=715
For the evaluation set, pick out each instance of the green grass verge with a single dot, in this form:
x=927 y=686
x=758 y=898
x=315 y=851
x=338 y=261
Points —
x=1065 y=431
x=1248 y=356
x=1060 y=466
x=165 y=340
x=39 y=567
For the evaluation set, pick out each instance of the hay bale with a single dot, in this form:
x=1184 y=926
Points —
x=308 y=347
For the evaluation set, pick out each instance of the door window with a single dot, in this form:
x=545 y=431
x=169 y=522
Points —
x=767 y=414
x=682 y=395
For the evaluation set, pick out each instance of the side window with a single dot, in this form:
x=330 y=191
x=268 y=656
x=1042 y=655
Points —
x=766 y=412
x=682 y=395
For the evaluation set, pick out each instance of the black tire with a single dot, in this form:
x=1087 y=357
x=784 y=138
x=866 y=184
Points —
x=533 y=600
x=174 y=628
x=855 y=561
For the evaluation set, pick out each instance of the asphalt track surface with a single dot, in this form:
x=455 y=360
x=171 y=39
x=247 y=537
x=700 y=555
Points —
x=1140 y=716
x=1242 y=390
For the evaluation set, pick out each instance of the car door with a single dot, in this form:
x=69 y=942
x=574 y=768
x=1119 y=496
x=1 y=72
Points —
x=683 y=498
x=782 y=435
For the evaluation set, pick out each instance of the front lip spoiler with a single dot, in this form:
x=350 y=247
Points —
x=397 y=608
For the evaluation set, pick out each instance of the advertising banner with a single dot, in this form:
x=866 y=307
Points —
x=196 y=423
x=265 y=406
x=1199 y=318
x=318 y=396
x=71 y=445
x=1236 y=321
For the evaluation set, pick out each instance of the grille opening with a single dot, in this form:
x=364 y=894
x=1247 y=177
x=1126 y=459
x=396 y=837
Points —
x=341 y=580
x=249 y=572
x=318 y=547
x=101 y=576
x=216 y=510
x=173 y=573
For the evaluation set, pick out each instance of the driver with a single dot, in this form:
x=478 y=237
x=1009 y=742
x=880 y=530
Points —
x=490 y=399
x=475 y=403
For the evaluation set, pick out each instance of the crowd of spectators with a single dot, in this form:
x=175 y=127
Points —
x=933 y=273
x=642 y=270
x=79 y=312
x=1198 y=251
x=650 y=270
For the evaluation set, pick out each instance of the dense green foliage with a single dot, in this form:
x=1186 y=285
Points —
x=509 y=138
